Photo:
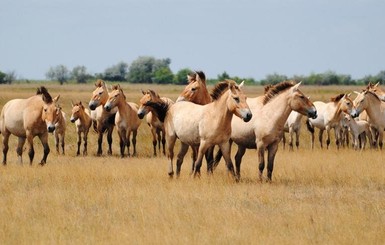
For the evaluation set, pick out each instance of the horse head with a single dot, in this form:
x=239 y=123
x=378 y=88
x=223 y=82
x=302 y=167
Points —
x=196 y=90
x=360 y=103
x=114 y=98
x=50 y=113
x=99 y=95
x=76 y=110
x=301 y=103
x=377 y=90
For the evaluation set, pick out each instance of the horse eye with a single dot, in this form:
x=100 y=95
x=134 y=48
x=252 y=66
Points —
x=193 y=89
x=302 y=96
x=236 y=99
x=101 y=93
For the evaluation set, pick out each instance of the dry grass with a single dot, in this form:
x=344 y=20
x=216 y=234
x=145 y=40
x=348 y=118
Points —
x=317 y=197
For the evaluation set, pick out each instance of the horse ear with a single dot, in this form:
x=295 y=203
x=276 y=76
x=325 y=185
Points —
x=72 y=103
x=295 y=87
x=376 y=85
x=348 y=95
x=242 y=83
x=56 y=98
x=356 y=92
x=143 y=91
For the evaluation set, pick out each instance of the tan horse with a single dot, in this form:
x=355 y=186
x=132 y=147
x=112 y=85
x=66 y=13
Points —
x=205 y=126
x=196 y=90
x=82 y=119
x=265 y=130
x=375 y=109
x=377 y=90
x=126 y=120
x=329 y=117
x=103 y=120
x=60 y=130
x=147 y=102
x=27 y=118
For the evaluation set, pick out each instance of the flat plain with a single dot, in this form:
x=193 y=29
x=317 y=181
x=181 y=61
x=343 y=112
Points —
x=316 y=197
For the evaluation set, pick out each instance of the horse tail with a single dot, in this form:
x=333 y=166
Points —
x=217 y=159
x=309 y=126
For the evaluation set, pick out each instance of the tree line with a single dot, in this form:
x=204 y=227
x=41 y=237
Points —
x=147 y=69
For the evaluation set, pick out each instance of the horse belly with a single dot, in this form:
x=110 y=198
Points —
x=14 y=123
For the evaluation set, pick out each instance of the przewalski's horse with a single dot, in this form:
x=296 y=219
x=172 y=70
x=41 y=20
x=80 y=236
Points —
x=150 y=100
x=27 y=118
x=103 y=120
x=82 y=119
x=375 y=109
x=204 y=126
x=359 y=130
x=126 y=120
x=292 y=126
x=265 y=130
x=60 y=130
x=377 y=90
x=329 y=117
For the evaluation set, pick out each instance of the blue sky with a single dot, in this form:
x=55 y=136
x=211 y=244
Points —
x=245 y=38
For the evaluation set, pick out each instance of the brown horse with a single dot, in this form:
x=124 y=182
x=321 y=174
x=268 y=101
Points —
x=27 y=118
x=151 y=98
x=60 y=130
x=205 y=126
x=82 y=119
x=265 y=130
x=126 y=120
x=103 y=120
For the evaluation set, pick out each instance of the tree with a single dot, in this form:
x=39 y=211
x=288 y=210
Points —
x=59 y=73
x=79 y=73
x=2 y=76
x=273 y=79
x=223 y=76
x=10 y=77
x=146 y=69
x=181 y=76
x=163 y=75
x=117 y=72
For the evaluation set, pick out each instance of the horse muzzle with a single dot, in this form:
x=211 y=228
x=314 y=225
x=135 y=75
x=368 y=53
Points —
x=51 y=128
x=247 y=117
x=354 y=113
x=141 y=115
x=72 y=119
x=108 y=108
x=92 y=105
x=312 y=114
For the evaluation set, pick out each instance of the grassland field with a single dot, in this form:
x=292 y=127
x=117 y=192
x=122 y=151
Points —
x=316 y=197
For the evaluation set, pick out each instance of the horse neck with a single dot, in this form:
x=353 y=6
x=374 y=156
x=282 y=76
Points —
x=159 y=109
x=83 y=117
x=374 y=109
x=221 y=111
x=278 y=109
x=205 y=96
x=123 y=107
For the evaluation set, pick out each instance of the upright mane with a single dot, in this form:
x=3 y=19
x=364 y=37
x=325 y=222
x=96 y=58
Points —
x=99 y=83
x=192 y=76
x=272 y=91
x=220 y=88
x=45 y=95
x=337 y=98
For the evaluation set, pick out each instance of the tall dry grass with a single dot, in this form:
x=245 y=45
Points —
x=316 y=197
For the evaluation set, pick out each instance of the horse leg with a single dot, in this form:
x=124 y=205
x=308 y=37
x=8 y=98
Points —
x=85 y=139
x=79 y=143
x=261 y=159
x=297 y=138
x=57 y=142
x=100 y=141
x=272 y=150
x=283 y=140
x=6 y=146
x=312 y=140
x=209 y=156
x=153 y=139
x=159 y=138
x=164 y=141
x=134 y=133
x=194 y=153
x=179 y=158
x=320 y=136
x=44 y=141
x=238 y=160
x=291 y=132
x=122 y=141
x=19 y=149
x=170 y=153
x=109 y=139
x=380 y=137
x=337 y=133
x=217 y=159
x=31 y=151
x=62 y=142
x=327 y=137
x=198 y=163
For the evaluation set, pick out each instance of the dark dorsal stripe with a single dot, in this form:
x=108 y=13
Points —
x=45 y=95
x=220 y=88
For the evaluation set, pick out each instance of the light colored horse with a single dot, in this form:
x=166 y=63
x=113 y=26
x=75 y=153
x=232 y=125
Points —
x=375 y=109
x=27 y=118
x=151 y=98
x=103 y=120
x=377 y=90
x=82 y=119
x=126 y=120
x=292 y=126
x=329 y=117
x=204 y=126
x=359 y=130
x=264 y=131
x=60 y=130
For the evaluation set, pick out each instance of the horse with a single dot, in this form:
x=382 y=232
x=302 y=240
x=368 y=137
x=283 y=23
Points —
x=27 y=118
x=265 y=130
x=196 y=92
x=126 y=120
x=152 y=118
x=82 y=119
x=102 y=120
x=329 y=116
x=359 y=129
x=375 y=108
x=377 y=90
x=60 y=130
x=292 y=126
x=204 y=126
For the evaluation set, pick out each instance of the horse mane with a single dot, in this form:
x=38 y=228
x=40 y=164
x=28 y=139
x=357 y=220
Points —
x=117 y=87
x=337 y=98
x=267 y=88
x=193 y=76
x=274 y=90
x=160 y=106
x=220 y=88
x=99 y=83
x=201 y=75
x=45 y=95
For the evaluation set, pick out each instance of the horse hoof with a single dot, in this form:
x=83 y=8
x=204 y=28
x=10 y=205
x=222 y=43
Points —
x=171 y=175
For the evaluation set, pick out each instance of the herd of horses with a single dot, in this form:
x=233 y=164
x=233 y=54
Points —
x=200 y=120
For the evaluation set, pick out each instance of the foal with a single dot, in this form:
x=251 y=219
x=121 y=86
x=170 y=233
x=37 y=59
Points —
x=82 y=119
x=60 y=130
